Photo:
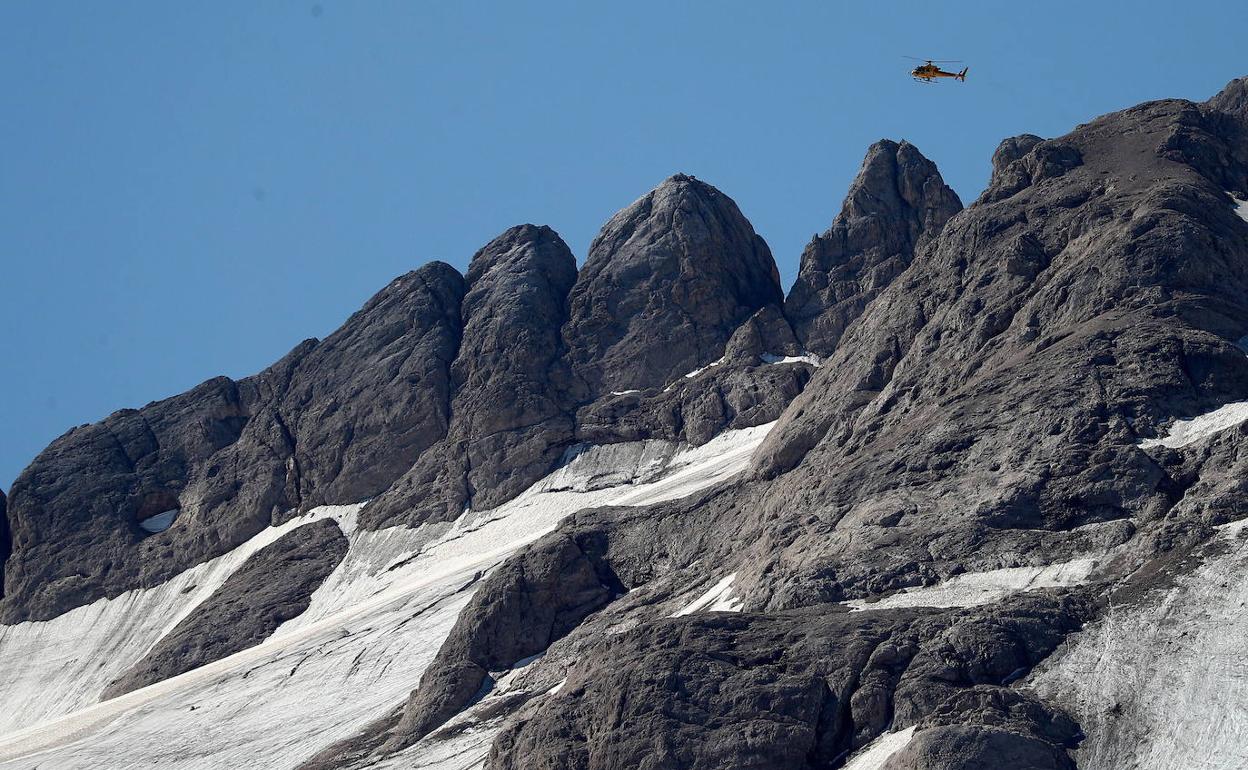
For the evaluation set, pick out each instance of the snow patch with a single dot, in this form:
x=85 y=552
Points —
x=718 y=599
x=877 y=752
x=1184 y=432
x=975 y=588
x=1241 y=208
x=624 y=392
x=160 y=522
x=695 y=373
x=803 y=358
x=698 y=371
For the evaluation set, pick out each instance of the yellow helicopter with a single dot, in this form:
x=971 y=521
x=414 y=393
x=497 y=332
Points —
x=928 y=71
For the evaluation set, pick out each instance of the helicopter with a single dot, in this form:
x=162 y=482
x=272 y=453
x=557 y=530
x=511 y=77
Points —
x=928 y=71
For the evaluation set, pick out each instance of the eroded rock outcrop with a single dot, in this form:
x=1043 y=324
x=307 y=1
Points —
x=787 y=690
x=897 y=203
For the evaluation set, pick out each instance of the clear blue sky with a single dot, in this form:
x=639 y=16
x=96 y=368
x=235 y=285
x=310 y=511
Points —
x=190 y=189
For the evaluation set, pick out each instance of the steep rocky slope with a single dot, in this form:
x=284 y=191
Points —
x=1008 y=439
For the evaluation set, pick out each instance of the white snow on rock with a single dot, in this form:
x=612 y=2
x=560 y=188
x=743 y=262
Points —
x=1184 y=432
x=53 y=667
x=624 y=392
x=975 y=588
x=160 y=522
x=1241 y=208
x=1163 y=684
x=694 y=373
x=718 y=599
x=354 y=655
x=803 y=358
x=698 y=371
x=876 y=753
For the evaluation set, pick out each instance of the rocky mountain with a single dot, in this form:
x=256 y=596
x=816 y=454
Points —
x=970 y=496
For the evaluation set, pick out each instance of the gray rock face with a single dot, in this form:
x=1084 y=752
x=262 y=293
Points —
x=666 y=283
x=334 y=421
x=786 y=690
x=956 y=747
x=1012 y=149
x=273 y=586
x=6 y=542
x=511 y=418
x=897 y=203
x=364 y=403
x=748 y=386
x=766 y=333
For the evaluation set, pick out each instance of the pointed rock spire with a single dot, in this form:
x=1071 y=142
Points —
x=897 y=203
x=667 y=281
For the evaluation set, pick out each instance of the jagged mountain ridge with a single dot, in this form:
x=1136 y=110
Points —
x=984 y=412
x=471 y=385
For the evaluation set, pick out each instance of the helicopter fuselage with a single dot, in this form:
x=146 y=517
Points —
x=930 y=72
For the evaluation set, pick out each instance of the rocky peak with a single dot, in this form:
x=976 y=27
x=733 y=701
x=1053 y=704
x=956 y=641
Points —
x=510 y=416
x=356 y=422
x=1012 y=149
x=1233 y=99
x=667 y=281
x=897 y=202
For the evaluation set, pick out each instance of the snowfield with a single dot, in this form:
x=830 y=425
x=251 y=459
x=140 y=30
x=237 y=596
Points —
x=1164 y=683
x=974 y=588
x=1184 y=432
x=353 y=656
x=1241 y=208
x=803 y=358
